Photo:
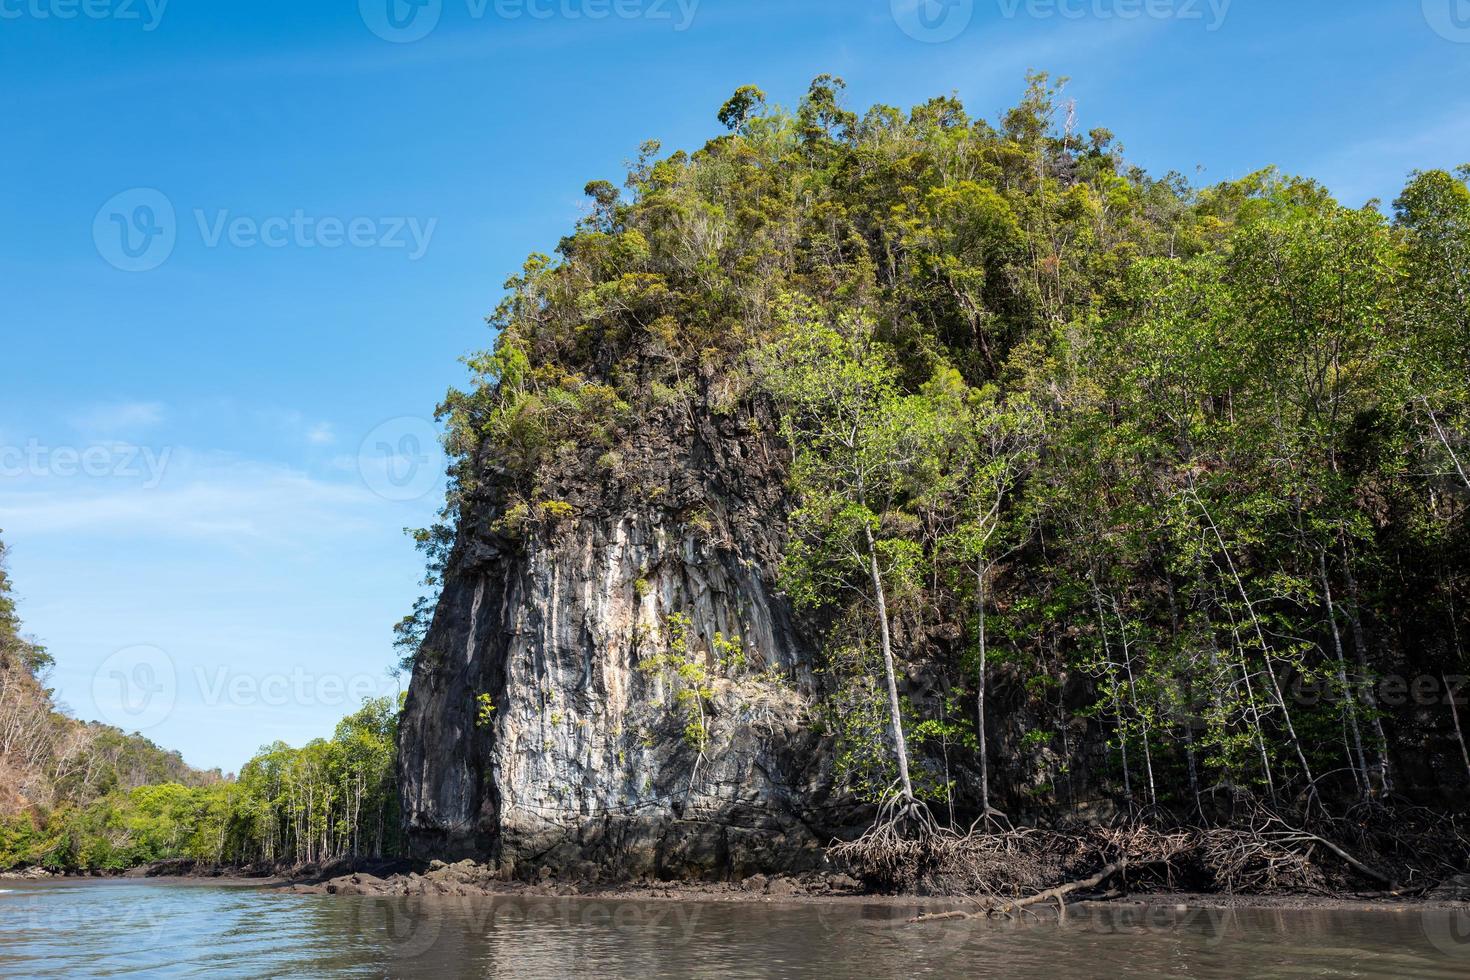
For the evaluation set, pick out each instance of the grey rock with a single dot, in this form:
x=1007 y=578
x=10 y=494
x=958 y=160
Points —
x=583 y=761
x=782 y=887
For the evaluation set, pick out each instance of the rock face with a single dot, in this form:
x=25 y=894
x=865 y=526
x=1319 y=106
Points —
x=549 y=723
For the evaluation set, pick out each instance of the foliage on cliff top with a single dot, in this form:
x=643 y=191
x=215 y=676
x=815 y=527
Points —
x=957 y=237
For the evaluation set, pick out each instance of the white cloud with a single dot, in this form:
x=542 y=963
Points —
x=118 y=417
x=296 y=425
x=213 y=496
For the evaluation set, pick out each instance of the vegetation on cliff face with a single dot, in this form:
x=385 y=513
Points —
x=1180 y=470
x=77 y=795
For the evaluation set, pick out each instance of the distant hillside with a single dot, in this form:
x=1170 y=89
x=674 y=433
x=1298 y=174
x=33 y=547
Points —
x=49 y=759
x=80 y=795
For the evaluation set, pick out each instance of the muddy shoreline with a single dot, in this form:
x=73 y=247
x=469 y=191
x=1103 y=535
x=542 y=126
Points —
x=466 y=879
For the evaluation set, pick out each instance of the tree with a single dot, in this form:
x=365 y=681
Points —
x=747 y=100
x=860 y=444
x=991 y=447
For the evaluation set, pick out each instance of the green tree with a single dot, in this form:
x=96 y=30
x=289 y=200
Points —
x=862 y=445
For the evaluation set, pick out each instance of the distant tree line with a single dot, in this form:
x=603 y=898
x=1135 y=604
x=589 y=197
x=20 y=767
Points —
x=77 y=795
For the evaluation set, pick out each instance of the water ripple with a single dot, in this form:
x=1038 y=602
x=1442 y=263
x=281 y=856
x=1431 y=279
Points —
x=129 y=928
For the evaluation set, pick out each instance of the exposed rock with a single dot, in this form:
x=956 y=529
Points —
x=584 y=766
x=26 y=874
x=782 y=888
x=471 y=879
x=356 y=884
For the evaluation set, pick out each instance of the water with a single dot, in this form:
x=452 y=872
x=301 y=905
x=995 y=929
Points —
x=127 y=928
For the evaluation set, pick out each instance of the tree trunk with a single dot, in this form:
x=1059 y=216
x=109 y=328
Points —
x=1250 y=607
x=980 y=690
x=1117 y=702
x=1360 y=647
x=1455 y=717
x=1350 y=698
x=1445 y=442
x=1187 y=698
x=1148 y=758
x=1453 y=693
x=900 y=745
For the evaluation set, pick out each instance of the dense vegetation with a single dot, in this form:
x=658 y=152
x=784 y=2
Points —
x=1180 y=471
x=77 y=795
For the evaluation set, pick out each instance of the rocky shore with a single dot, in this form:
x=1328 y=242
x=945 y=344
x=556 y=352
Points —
x=468 y=879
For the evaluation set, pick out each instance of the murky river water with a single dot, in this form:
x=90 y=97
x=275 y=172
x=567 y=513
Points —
x=119 y=928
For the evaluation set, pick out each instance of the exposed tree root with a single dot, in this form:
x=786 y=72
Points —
x=1007 y=870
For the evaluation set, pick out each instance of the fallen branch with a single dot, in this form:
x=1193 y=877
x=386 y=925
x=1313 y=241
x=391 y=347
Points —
x=1348 y=858
x=1062 y=891
x=942 y=916
x=1059 y=894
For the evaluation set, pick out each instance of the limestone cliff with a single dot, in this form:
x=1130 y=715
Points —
x=543 y=725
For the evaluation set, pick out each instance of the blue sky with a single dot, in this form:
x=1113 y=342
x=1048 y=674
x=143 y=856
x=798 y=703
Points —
x=213 y=430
